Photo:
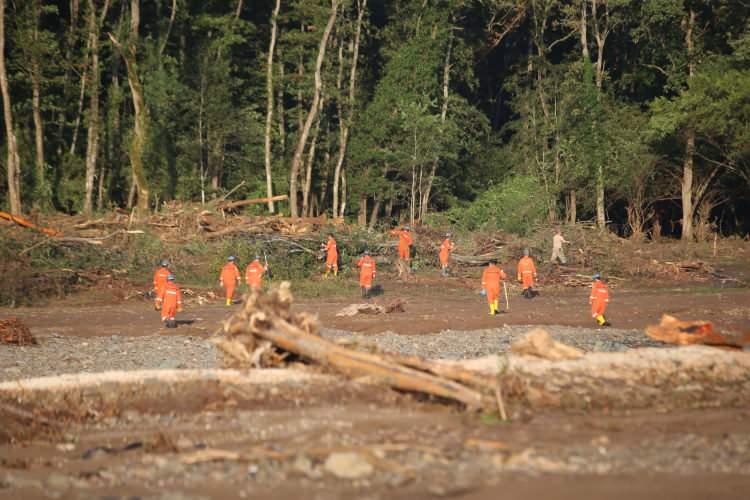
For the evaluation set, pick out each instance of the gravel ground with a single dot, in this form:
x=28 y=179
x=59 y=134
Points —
x=455 y=344
x=58 y=354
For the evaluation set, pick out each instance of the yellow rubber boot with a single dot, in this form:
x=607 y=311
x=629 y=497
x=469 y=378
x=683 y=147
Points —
x=335 y=272
x=229 y=302
x=496 y=305
x=600 y=320
x=492 y=309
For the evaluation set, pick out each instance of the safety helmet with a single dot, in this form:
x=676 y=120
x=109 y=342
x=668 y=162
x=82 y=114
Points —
x=367 y=252
x=525 y=252
x=231 y=258
x=407 y=228
x=170 y=277
x=257 y=257
x=596 y=276
x=164 y=263
x=448 y=235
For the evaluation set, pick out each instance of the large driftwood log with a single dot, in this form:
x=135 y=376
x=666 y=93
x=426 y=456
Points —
x=269 y=317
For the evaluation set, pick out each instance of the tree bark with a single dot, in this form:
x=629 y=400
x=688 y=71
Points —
x=269 y=106
x=374 y=213
x=362 y=216
x=601 y=32
x=13 y=165
x=140 y=130
x=309 y=167
x=344 y=125
x=572 y=216
x=281 y=111
x=688 y=207
x=92 y=140
x=36 y=77
x=601 y=218
x=297 y=160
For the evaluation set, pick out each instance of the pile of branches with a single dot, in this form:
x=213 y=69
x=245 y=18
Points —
x=13 y=331
x=267 y=333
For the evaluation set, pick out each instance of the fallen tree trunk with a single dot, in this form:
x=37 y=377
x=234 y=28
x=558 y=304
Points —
x=269 y=317
x=254 y=201
x=28 y=224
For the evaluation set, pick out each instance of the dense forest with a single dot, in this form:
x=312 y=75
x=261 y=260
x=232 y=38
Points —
x=478 y=113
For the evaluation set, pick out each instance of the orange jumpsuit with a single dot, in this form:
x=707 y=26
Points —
x=445 y=252
x=526 y=272
x=229 y=278
x=254 y=275
x=405 y=242
x=599 y=298
x=332 y=256
x=171 y=301
x=160 y=280
x=366 y=267
x=491 y=278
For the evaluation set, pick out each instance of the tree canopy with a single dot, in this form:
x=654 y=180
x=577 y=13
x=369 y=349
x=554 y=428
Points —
x=632 y=113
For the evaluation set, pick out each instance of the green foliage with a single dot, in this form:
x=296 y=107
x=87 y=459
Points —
x=514 y=205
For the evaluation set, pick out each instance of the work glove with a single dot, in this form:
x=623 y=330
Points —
x=483 y=293
x=179 y=309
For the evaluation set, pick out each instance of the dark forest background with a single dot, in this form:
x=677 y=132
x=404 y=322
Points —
x=478 y=113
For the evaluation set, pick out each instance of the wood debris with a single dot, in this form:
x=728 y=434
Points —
x=539 y=343
x=269 y=317
x=673 y=331
x=28 y=224
x=13 y=331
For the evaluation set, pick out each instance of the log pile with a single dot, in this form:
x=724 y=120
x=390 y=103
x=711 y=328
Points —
x=13 y=331
x=266 y=331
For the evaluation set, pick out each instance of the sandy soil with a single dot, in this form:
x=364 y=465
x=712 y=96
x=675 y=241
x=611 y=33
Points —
x=433 y=451
x=430 y=307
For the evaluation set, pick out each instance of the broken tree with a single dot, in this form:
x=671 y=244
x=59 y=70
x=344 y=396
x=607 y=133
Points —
x=268 y=317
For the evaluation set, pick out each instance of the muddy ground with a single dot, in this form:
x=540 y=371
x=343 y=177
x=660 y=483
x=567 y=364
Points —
x=419 y=449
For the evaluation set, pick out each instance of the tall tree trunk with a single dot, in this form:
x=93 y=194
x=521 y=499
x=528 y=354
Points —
x=443 y=115
x=688 y=207
x=297 y=160
x=374 y=213
x=345 y=124
x=269 y=106
x=41 y=197
x=13 y=165
x=601 y=32
x=92 y=140
x=601 y=218
x=572 y=206
x=362 y=216
x=310 y=162
x=81 y=97
x=140 y=121
x=281 y=111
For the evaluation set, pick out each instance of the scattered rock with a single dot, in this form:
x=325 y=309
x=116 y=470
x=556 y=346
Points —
x=539 y=343
x=348 y=465
x=354 y=309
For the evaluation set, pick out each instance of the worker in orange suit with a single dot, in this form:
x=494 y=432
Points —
x=599 y=299
x=229 y=278
x=446 y=248
x=527 y=274
x=332 y=256
x=405 y=241
x=366 y=265
x=254 y=274
x=171 y=302
x=491 y=279
x=160 y=281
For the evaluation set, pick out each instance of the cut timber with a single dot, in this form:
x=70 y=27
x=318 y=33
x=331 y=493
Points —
x=28 y=224
x=269 y=317
x=673 y=331
x=254 y=201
